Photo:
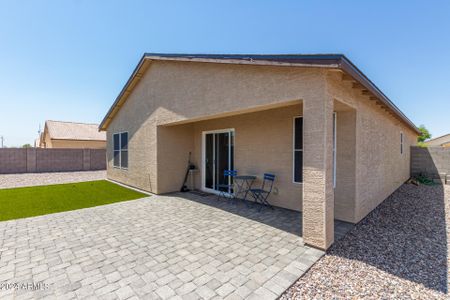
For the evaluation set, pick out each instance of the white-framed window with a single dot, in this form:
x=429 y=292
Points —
x=120 y=150
x=401 y=142
x=298 y=150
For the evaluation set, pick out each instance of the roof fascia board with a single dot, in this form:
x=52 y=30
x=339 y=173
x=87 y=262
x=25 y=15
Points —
x=253 y=62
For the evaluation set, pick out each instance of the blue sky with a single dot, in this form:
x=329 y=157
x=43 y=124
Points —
x=68 y=60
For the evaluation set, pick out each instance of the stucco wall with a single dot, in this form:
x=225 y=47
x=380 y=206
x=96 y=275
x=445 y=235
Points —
x=171 y=93
x=47 y=141
x=318 y=191
x=175 y=143
x=141 y=172
x=344 y=193
x=263 y=144
x=380 y=167
x=77 y=144
x=202 y=91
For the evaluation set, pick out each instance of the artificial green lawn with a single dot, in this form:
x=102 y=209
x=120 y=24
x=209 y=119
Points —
x=41 y=200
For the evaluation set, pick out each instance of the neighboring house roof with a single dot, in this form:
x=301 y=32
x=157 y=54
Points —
x=439 y=141
x=59 y=130
x=331 y=61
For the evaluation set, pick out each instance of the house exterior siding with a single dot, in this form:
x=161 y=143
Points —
x=380 y=167
x=263 y=144
x=50 y=143
x=202 y=91
x=174 y=102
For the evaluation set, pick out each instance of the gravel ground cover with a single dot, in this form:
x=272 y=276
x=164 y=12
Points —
x=399 y=251
x=33 y=179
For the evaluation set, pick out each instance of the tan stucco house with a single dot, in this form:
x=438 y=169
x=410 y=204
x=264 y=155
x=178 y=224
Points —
x=337 y=145
x=442 y=141
x=59 y=134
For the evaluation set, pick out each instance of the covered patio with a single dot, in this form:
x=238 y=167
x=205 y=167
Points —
x=336 y=144
x=287 y=220
x=310 y=151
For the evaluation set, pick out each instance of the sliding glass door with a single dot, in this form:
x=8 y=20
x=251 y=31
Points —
x=218 y=156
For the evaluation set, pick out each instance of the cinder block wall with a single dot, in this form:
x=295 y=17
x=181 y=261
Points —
x=433 y=161
x=98 y=159
x=32 y=160
x=13 y=160
x=59 y=160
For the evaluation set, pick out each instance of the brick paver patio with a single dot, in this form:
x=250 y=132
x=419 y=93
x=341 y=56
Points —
x=182 y=246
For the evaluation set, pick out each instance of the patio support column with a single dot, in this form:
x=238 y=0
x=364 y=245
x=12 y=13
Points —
x=318 y=193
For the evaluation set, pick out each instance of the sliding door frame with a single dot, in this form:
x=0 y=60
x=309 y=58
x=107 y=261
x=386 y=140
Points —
x=232 y=135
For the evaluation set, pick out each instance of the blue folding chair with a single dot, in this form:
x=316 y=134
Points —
x=261 y=195
x=225 y=188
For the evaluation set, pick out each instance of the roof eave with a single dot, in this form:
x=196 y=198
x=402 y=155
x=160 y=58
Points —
x=332 y=61
x=338 y=61
x=347 y=66
x=108 y=116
